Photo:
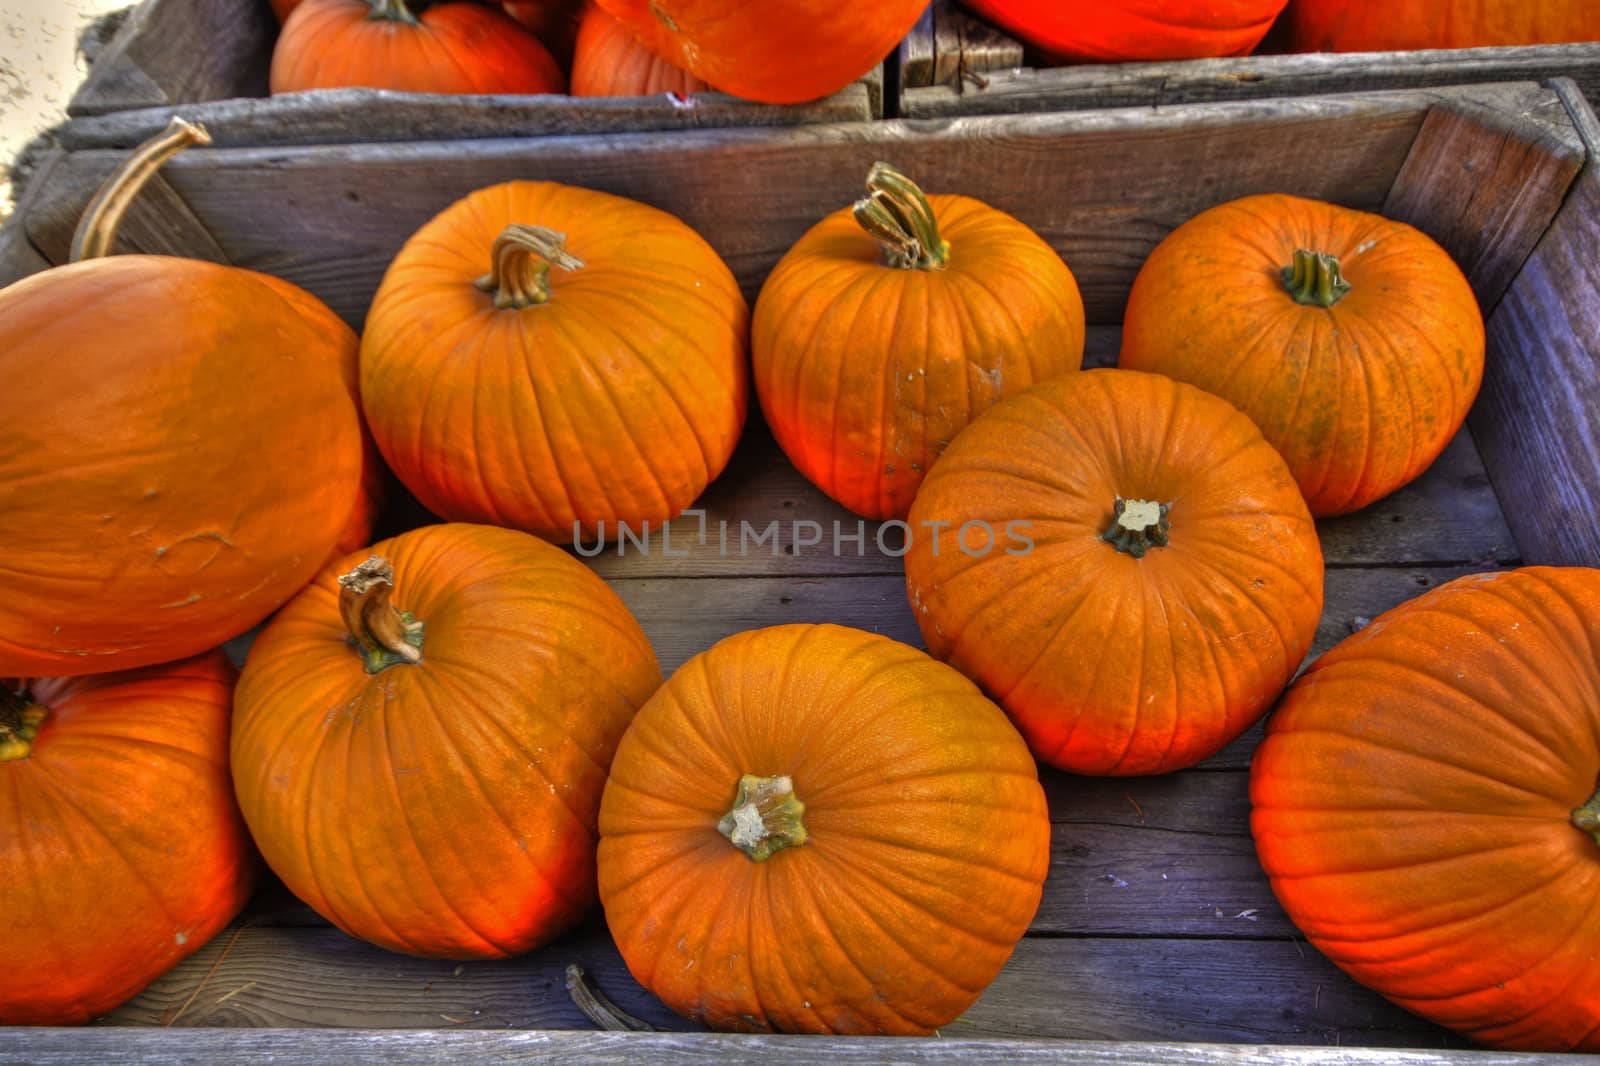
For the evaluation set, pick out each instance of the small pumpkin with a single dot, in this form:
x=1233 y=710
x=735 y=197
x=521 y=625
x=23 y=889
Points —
x=554 y=22
x=889 y=325
x=608 y=60
x=776 y=52
x=177 y=436
x=796 y=827
x=1425 y=805
x=1123 y=563
x=454 y=48
x=121 y=848
x=1115 y=31
x=419 y=744
x=557 y=360
x=1406 y=25
x=1352 y=340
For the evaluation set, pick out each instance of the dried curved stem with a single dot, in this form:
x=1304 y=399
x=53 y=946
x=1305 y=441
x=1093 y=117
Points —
x=523 y=256
x=599 y=1009
x=898 y=213
x=383 y=635
x=97 y=229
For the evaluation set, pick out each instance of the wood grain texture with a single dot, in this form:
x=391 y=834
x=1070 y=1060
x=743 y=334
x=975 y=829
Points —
x=1538 y=416
x=289 y=1047
x=1485 y=178
x=753 y=192
x=952 y=47
x=1161 y=84
x=158 y=222
x=18 y=256
x=181 y=51
x=342 y=116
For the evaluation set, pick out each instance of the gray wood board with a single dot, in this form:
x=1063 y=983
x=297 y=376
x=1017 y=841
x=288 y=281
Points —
x=1278 y=991
x=949 y=44
x=1160 y=84
x=181 y=51
x=299 y=1047
x=344 y=116
x=1538 y=417
x=339 y=214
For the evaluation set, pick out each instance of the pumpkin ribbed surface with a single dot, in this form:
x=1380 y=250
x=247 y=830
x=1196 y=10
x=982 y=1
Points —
x=121 y=848
x=918 y=799
x=444 y=807
x=1117 y=651
x=1115 y=31
x=1414 y=803
x=1404 y=25
x=1360 y=389
x=618 y=399
x=608 y=60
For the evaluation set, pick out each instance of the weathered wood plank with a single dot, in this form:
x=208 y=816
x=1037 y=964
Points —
x=344 y=116
x=1485 y=178
x=1162 y=84
x=158 y=222
x=181 y=51
x=288 y=1047
x=949 y=45
x=1063 y=174
x=18 y=256
x=1537 y=419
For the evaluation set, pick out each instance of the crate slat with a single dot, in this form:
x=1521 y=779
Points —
x=179 y=52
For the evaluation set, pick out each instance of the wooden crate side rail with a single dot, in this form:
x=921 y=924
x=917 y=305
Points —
x=180 y=51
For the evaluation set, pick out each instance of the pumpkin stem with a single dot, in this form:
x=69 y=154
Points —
x=97 y=229
x=1137 y=526
x=1314 y=279
x=897 y=213
x=1587 y=817
x=598 y=1008
x=766 y=817
x=19 y=724
x=384 y=635
x=392 y=11
x=523 y=256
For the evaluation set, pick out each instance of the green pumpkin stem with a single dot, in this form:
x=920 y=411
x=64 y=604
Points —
x=1587 y=817
x=598 y=1008
x=97 y=229
x=392 y=11
x=384 y=635
x=897 y=213
x=766 y=817
x=1137 y=526
x=20 y=718
x=1314 y=279
x=523 y=256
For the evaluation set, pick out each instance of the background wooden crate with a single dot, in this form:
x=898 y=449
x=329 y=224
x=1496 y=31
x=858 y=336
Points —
x=210 y=59
x=1157 y=924
x=954 y=63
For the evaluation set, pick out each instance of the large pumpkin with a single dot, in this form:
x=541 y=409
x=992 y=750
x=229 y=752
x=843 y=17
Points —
x=889 y=325
x=1113 y=31
x=557 y=360
x=121 y=848
x=815 y=829
x=1403 y=25
x=1353 y=341
x=608 y=60
x=777 y=51
x=179 y=450
x=419 y=745
x=1425 y=805
x=455 y=47
x=1123 y=563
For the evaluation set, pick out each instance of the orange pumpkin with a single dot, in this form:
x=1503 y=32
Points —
x=608 y=60
x=284 y=8
x=1353 y=341
x=889 y=325
x=797 y=826
x=419 y=745
x=1404 y=25
x=778 y=51
x=121 y=848
x=458 y=48
x=1114 y=31
x=557 y=360
x=1424 y=803
x=1123 y=563
x=554 y=22
x=180 y=449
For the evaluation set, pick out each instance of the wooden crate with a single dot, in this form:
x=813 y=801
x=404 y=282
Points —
x=209 y=59
x=954 y=63
x=1158 y=938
